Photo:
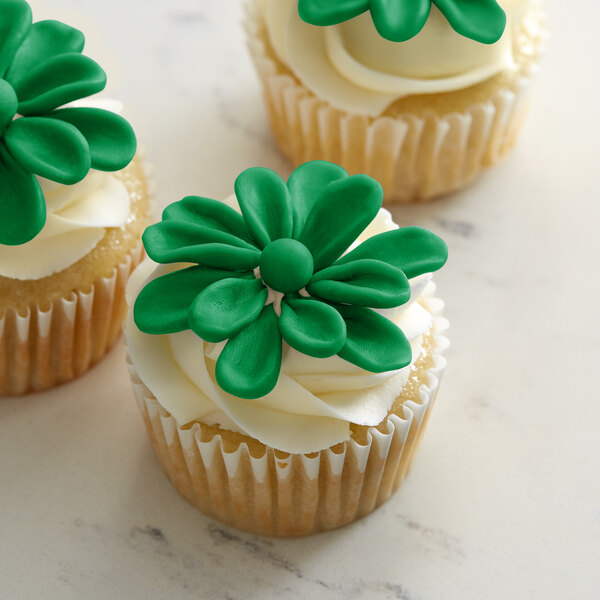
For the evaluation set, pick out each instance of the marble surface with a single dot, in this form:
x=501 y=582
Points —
x=504 y=499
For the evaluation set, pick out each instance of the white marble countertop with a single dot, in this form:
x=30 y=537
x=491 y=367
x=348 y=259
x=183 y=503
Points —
x=504 y=499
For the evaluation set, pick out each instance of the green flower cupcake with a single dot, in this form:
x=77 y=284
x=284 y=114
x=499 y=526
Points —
x=73 y=203
x=422 y=95
x=286 y=349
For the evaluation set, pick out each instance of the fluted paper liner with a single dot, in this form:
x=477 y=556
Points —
x=284 y=494
x=44 y=348
x=414 y=158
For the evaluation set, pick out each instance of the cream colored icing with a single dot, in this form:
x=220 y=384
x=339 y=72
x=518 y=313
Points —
x=356 y=70
x=315 y=400
x=77 y=218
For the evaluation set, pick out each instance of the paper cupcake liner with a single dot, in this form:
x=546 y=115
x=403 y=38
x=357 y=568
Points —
x=414 y=158
x=280 y=494
x=48 y=346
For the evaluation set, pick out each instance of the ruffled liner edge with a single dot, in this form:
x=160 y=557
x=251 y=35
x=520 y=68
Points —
x=283 y=494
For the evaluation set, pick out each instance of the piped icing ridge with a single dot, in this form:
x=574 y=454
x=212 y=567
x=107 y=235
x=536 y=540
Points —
x=42 y=70
x=320 y=296
x=355 y=69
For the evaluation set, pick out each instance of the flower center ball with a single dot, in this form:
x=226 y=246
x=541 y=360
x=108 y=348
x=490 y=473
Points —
x=286 y=265
x=8 y=104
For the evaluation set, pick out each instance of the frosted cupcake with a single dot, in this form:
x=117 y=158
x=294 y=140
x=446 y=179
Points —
x=286 y=358
x=73 y=205
x=420 y=94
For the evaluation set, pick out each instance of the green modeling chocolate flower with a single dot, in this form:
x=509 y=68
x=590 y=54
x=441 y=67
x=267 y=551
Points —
x=275 y=272
x=42 y=69
x=400 y=20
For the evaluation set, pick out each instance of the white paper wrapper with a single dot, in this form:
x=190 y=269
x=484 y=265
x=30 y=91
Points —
x=279 y=494
x=44 y=348
x=415 y=158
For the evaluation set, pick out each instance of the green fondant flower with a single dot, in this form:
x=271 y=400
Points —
x=400 y=20
x=41 y=70
x=278 y=270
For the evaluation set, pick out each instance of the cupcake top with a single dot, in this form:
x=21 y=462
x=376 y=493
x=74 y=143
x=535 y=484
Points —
x=289 y=321
x=483 y=20
x=49 y=142
x=363 y=55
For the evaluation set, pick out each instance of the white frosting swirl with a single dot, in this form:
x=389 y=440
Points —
x=352 y=67
x=315 y=400
x=77 y=218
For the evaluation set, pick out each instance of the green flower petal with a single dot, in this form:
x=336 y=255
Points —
x=373 y=343
x=58 y=81
x=175 y=241
x=49 y=148
x=208 y=213
x=399 y=20
x=369 y=283
x=9 y=103
x=307 y=185
x=312 y=327
x=163 y=305
x=250 y=362
x=265 y=203
x=22 y=204
x=483 y=21
x=223 y=309
x=15 y=22
x=326 y=12
x=110 y=137
x=45 y=39
x=346 y=209
x=412 y=249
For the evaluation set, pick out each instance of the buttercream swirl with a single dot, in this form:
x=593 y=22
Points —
x=77 y=218
x=356 y=70
x=315 y=400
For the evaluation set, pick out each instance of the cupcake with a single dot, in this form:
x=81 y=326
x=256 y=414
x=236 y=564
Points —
x=286 y=348
x=419 y=95
x=73 y=205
